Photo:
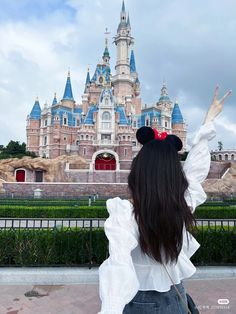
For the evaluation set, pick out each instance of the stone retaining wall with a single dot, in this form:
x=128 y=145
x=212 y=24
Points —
x=70 y=190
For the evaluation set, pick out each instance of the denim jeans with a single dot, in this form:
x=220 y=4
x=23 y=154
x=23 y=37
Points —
x=155 y=302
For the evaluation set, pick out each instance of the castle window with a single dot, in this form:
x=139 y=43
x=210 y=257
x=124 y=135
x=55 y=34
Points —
x=220 y=157
x=135 y=124
x=123 y=137
x=64 y=138
x=82 y=137
x=45 y=122
x=84 y=151
x=147 y=121
x=106 y=116
x=65 y=121
x=232 y=157
x=77 y=142
x=125 y=152
x=166 y=124
x=87 y=137
x=226 y=157
x=134 y=143
x=77 y=122
x=45 y=140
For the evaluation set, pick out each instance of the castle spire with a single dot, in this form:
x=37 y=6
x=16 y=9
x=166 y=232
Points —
x=35 y=113
x=54 y=102
x=106 y=55
x=68 y=95
x=87 y=78
x=123 y=15
x=128 y=22
x=164 y=93
x=132 y=62
x=123 y=6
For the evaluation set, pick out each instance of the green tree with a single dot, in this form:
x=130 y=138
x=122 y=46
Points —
x=15 y=149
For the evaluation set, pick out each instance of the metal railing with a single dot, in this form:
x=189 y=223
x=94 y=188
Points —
x=82 y=241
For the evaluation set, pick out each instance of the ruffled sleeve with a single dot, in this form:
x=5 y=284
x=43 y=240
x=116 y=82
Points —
x=118 y=283
x=197 y=165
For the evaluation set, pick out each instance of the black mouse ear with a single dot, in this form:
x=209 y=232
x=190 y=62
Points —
x=176 y=141
x=145 y=134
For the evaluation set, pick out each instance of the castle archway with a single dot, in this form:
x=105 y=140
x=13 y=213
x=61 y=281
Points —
x=105 y=160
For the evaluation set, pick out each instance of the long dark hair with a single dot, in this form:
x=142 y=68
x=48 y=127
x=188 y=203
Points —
x=157 y=185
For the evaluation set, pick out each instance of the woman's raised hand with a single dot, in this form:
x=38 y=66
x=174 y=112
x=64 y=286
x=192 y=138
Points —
x=216 y=105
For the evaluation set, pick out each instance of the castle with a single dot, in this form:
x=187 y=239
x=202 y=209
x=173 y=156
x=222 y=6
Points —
x=102 y=128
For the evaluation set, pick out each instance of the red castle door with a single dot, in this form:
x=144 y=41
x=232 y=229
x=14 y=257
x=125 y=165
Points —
x=105 y=161
x=20 y=175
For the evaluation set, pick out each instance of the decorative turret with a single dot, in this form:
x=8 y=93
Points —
x=177 y=117
x=68 y=95
x=178 y=124
x=35 y=113
x=54 y=102
x=87 y=82
x=106 y=55
x=164 y=94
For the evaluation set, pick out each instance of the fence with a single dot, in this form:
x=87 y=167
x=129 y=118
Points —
x=82 y=242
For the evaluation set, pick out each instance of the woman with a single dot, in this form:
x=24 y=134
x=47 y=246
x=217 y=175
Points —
x=149 y=241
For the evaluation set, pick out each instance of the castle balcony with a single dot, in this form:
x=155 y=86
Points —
x=105 y=142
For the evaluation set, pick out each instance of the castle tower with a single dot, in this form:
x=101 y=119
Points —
x=122 y=80
x=33 y=128
x=68 y=99
x=178 y=125
x=164 y=104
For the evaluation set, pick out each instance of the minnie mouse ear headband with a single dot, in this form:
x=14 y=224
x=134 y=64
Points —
x=145 y=134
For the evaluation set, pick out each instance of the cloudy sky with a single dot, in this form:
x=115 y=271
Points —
x=189 y=44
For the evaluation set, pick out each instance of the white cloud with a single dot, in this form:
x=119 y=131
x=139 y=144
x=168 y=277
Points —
x=190 y=45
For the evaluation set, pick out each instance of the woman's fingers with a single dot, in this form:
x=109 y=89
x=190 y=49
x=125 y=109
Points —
x=216 y=93
x=225 y=96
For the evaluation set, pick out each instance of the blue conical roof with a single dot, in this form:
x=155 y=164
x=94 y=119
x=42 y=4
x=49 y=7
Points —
x=68 y=95
x=132 y=62
x=54 y=102
x=87 y=79
x=36 y=111
x=177 y=115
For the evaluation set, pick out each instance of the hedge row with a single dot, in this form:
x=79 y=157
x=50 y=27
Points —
x=77 y=211
x=215 y=212
x=12 y=211
x=41 y=203
x=78 y=247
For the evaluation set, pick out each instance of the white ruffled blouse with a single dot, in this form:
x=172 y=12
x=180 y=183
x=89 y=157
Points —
x=127 y=269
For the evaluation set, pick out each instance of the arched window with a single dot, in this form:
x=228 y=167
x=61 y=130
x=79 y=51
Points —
x=232 y=157
x=45 y=140
x=106 y=116
x=106 y=120
x=87 y=137
x=226 y=157
x=82 y=137
x=220 y=157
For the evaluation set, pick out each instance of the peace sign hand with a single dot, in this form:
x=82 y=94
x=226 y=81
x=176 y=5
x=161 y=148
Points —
x=216 y=105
